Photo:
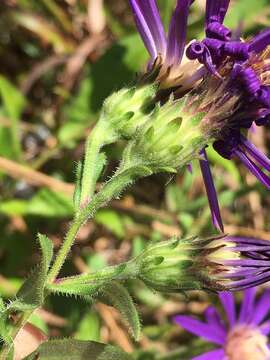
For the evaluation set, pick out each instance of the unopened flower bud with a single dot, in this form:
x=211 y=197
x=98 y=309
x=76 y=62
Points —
x=127 y=109
x=216 y=264
x=168 y=139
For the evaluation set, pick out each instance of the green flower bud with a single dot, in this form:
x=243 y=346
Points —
x=188 y=264
x=169 y=138
x=127 y=109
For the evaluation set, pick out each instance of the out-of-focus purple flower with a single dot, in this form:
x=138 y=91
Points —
x=222 y=76
x=241 y=335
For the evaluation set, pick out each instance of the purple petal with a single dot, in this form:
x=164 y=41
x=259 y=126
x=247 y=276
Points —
x=262 y=307
x=242 y=240
x=247 y=306
x=252 y=281
x=260 y=41
x=208 y=63
x=228 y=304
x=237 y=50
x=211 y=192
x=177 y=32
x=257 y=155
x=216 y=10
x=248 y=78
x=190 y=168
x=246 y=262
x=216 y=30
x=199 y=328
x=211 y=355
x=213 y=318
x=250 y=248
x=149 y=25
x=253 y=168
x=265 y=328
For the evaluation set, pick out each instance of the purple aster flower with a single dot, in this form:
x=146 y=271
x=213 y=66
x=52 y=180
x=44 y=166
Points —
x=242 y=335
x=223 y=77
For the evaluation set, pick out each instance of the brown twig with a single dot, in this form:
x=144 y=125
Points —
x=34 y=177
x=76 y=61
x=117 y=334
x=40 y=69
x=245 y=231
x=96 y=16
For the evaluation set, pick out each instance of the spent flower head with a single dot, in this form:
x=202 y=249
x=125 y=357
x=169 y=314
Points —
x=214 y=264
x=241 y=335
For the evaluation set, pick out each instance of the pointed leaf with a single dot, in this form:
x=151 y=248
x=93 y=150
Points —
x=46 y=251
x=116 y=295
x=77 y=191
x=78 y=350
x=101 y=162
x=31 y=293
x=13 y=103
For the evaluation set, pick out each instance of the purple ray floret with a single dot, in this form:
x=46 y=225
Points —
x=151 y=29
x=211 y=192
x=216 y=10
x=177 y=33
x=149 y=25
x=238 y=336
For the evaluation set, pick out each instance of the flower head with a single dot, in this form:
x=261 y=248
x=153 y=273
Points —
x=241 y=336
x=223 y=77
x=214 y=264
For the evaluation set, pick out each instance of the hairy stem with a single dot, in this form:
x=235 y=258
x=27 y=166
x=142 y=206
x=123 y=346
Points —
x=110 y=190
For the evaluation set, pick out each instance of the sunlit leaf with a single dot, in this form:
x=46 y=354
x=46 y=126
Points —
x=13 y=103
x=44 y=203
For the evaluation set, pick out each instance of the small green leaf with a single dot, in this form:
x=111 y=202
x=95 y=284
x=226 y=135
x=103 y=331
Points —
x=77 y=191
x=45 y=203
x=116 y=295
x=46 y=251
x=13 y=103
x=101 y=162
x=78 y=350
x=31 y=293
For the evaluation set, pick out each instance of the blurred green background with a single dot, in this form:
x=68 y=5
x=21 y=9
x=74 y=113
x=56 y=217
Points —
x=59 y=60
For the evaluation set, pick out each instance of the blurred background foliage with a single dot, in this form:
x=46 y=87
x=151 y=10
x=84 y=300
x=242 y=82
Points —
x=59 y=59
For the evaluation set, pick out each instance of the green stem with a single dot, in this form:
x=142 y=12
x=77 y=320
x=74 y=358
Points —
x=110 y=190
x=89 y=284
